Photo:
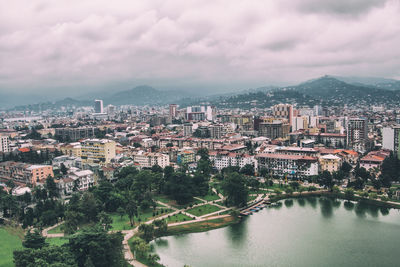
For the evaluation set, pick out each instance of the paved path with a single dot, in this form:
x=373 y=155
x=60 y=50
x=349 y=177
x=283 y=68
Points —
x=46 y=234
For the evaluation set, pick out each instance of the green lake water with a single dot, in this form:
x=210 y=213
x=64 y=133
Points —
x=300 y=232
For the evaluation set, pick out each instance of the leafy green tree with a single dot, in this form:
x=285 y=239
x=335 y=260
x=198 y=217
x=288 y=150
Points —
x=72 y=221
x=103 y=249
x=146 y=231
x=140 y=246
x=105 y=220
x=349 y=194
x=161 y=227
x=63 y=169
x=325 y=179
x=121 y=212
x=51 y=187
x=56 y=256
x=34 y=240
x=132 y=210
x=235 y=190
x=289 y=190
x=247 y=169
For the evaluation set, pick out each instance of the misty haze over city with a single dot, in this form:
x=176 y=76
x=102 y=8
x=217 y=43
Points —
x=71 y=48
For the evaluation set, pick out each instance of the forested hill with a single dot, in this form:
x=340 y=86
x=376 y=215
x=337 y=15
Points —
x=324 y=91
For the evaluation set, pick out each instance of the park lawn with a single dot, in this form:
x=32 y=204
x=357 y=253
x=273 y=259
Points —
x=201 y=226
x=56 y=230
x=171 y=202
x=57 y=241
x=124 y=223
x=178 y=218
x=11 y=239
x=203 y=209
x=209 y=197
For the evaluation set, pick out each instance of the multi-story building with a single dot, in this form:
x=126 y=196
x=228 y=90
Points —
x=98 y=106
x=173 y=110
x=216 y=131
x=148 y=160
x=100 y=151
x=275 y=129
x=357 y=134
x=390 y=139
x=75 y=134
x=185 y=157
x=79 y=180
x=25 y=173
x=72 y=149
x=224 y=159
x=187 y=129
x=283 y=111
x=282 y=165
x=4 y=144
x=330 y=163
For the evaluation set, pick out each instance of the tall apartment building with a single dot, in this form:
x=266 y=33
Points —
x=275 y=129
x=98 y=106
x=390 y=139
x=100 y=151
x=357 y=134
x=75 y=134
x=216 y=131
x=4 y=144
x=187 y=129
x=283 y=111
x=173 y=113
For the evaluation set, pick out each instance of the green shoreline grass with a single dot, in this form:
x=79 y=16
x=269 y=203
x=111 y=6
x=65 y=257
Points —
x=11 y=239
x=202 y=226
x=203 y=210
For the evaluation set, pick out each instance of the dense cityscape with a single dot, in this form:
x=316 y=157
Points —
x=188 y=133
x=121 y=166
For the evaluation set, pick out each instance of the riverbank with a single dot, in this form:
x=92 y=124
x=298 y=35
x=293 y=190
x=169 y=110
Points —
x=202 y=226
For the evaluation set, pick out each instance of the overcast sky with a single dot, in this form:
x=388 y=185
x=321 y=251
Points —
x=76 y=46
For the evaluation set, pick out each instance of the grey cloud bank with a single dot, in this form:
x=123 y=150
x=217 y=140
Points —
x=79 y=46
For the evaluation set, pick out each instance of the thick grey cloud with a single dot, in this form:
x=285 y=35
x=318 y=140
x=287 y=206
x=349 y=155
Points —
x=85 y=45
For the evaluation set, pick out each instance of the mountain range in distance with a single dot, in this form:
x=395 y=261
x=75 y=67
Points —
x=329 y=90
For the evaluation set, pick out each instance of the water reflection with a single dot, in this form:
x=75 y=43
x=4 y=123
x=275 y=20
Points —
x=312 y=201
x=161 y=242
x=289 y=203
x=237 y=232
x=277 y=205
x=301 y=202
x=336 y=203
x=361 y=209
x=326 y=207
x=348 y=205
x=373 y=211
x=384 y=211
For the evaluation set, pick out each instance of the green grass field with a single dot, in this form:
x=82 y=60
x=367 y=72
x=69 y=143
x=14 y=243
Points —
x=209 y=197
x=124 y=224
x=202 y=210
x=11 y=239
x=166 y=200
x=56 y=230
x=178 y=218
x=57 y=241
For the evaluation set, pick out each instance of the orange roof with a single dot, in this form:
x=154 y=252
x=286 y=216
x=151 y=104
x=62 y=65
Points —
x=24 y=149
